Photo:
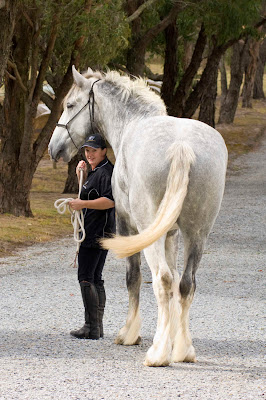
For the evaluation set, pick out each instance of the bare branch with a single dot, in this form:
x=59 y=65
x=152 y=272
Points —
x=46 y=59
x=155 y=30
x=28 y=19
x=17 y=75
x=10 y=76
x=141 y=8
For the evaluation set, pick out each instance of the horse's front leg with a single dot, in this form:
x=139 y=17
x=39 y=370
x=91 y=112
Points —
x=129 y=334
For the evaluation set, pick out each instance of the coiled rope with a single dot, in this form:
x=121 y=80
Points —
x=77 y=217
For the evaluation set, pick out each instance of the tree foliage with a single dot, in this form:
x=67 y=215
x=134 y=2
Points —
x=213 y=26
x=48 y=38
x=229 y=19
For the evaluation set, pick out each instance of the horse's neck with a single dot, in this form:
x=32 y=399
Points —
x=114 y=120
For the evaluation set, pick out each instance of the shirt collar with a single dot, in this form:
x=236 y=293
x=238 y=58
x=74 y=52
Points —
x=101 y=164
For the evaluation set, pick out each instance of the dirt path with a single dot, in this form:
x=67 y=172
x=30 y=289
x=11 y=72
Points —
x=40 y=304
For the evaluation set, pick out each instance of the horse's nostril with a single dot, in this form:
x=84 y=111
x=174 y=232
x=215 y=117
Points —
x=53 y=154
x=57 y=156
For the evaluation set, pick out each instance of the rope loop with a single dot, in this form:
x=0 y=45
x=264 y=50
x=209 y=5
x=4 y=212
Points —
x=77 y=216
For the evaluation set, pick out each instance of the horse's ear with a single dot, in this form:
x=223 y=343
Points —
x=79 y=79
x=90 y=71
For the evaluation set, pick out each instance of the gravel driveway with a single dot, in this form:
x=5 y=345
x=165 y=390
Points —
x=41 y=303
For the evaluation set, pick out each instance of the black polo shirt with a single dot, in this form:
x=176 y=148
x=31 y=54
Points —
x=98 y=223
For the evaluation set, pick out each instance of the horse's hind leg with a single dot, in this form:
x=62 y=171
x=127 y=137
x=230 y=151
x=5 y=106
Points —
x=159 y=354
x=183 y=349
x=171 y=249
x=129 y=334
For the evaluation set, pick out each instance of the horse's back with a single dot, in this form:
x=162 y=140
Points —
x=145 y=148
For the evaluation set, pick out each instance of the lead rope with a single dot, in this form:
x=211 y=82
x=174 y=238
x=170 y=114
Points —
x=77 y=216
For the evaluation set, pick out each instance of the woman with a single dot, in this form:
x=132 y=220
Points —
x=97 y=203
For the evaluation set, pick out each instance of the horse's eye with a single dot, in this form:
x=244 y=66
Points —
x=69 y=105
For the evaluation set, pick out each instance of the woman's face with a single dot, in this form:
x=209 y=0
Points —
x=94 y=156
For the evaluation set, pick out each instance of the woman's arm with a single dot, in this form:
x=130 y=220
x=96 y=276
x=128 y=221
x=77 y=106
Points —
x=102 y=203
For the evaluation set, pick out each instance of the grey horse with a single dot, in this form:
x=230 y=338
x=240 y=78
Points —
x=169 y=175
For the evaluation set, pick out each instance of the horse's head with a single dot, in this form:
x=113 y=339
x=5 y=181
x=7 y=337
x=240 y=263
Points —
x=76 y=122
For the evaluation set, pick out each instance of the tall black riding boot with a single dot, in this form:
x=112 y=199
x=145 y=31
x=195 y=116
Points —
x=92 y=308
x=91 y=329
x=102 y=300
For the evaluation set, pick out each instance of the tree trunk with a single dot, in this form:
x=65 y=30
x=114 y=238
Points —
x=71 y=184
x=205 y=83
x=8 y=9
x=15 y=176
x=187 y=54
x=136 y=59
x=229 y=105
x=207 y=105
x=184 y=87
x=250 y=73
x=136 y=53
x=258 y=92
x=14 y=198
x=170 y=67
x=224 y=87
x=175 y=99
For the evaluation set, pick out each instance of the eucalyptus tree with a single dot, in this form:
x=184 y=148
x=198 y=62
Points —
x=216 y=25
x=212 y=25
x=49 y=37
x=240 y=61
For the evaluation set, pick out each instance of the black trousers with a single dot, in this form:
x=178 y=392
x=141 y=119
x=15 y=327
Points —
x=90 y=264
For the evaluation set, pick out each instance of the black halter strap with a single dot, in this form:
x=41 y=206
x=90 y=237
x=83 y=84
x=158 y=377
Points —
x=90 y=102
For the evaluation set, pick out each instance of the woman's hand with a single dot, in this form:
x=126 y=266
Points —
x=76 y=204
x=81 y=165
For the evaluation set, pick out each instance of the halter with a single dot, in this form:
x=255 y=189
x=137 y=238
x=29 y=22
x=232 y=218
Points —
x=90 y=102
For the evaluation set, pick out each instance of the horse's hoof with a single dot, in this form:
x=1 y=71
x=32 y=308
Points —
x=121 y=340
x=154 y=359
x=190 y=360
x=138 y=341
x=189 y=356
x=155 y=363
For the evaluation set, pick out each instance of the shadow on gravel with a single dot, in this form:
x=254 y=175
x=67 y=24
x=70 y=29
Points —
x=18 y=344
x=233 y=348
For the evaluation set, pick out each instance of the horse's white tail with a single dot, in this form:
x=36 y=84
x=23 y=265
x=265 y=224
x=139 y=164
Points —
x=181 y=156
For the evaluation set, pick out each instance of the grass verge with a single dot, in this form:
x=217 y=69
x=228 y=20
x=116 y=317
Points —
x=47 y=224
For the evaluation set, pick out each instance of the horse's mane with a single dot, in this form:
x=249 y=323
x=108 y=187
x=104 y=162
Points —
x=137 y=88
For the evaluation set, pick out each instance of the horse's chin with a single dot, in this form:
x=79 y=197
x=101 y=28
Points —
x=66 y=158
x=65 y=155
